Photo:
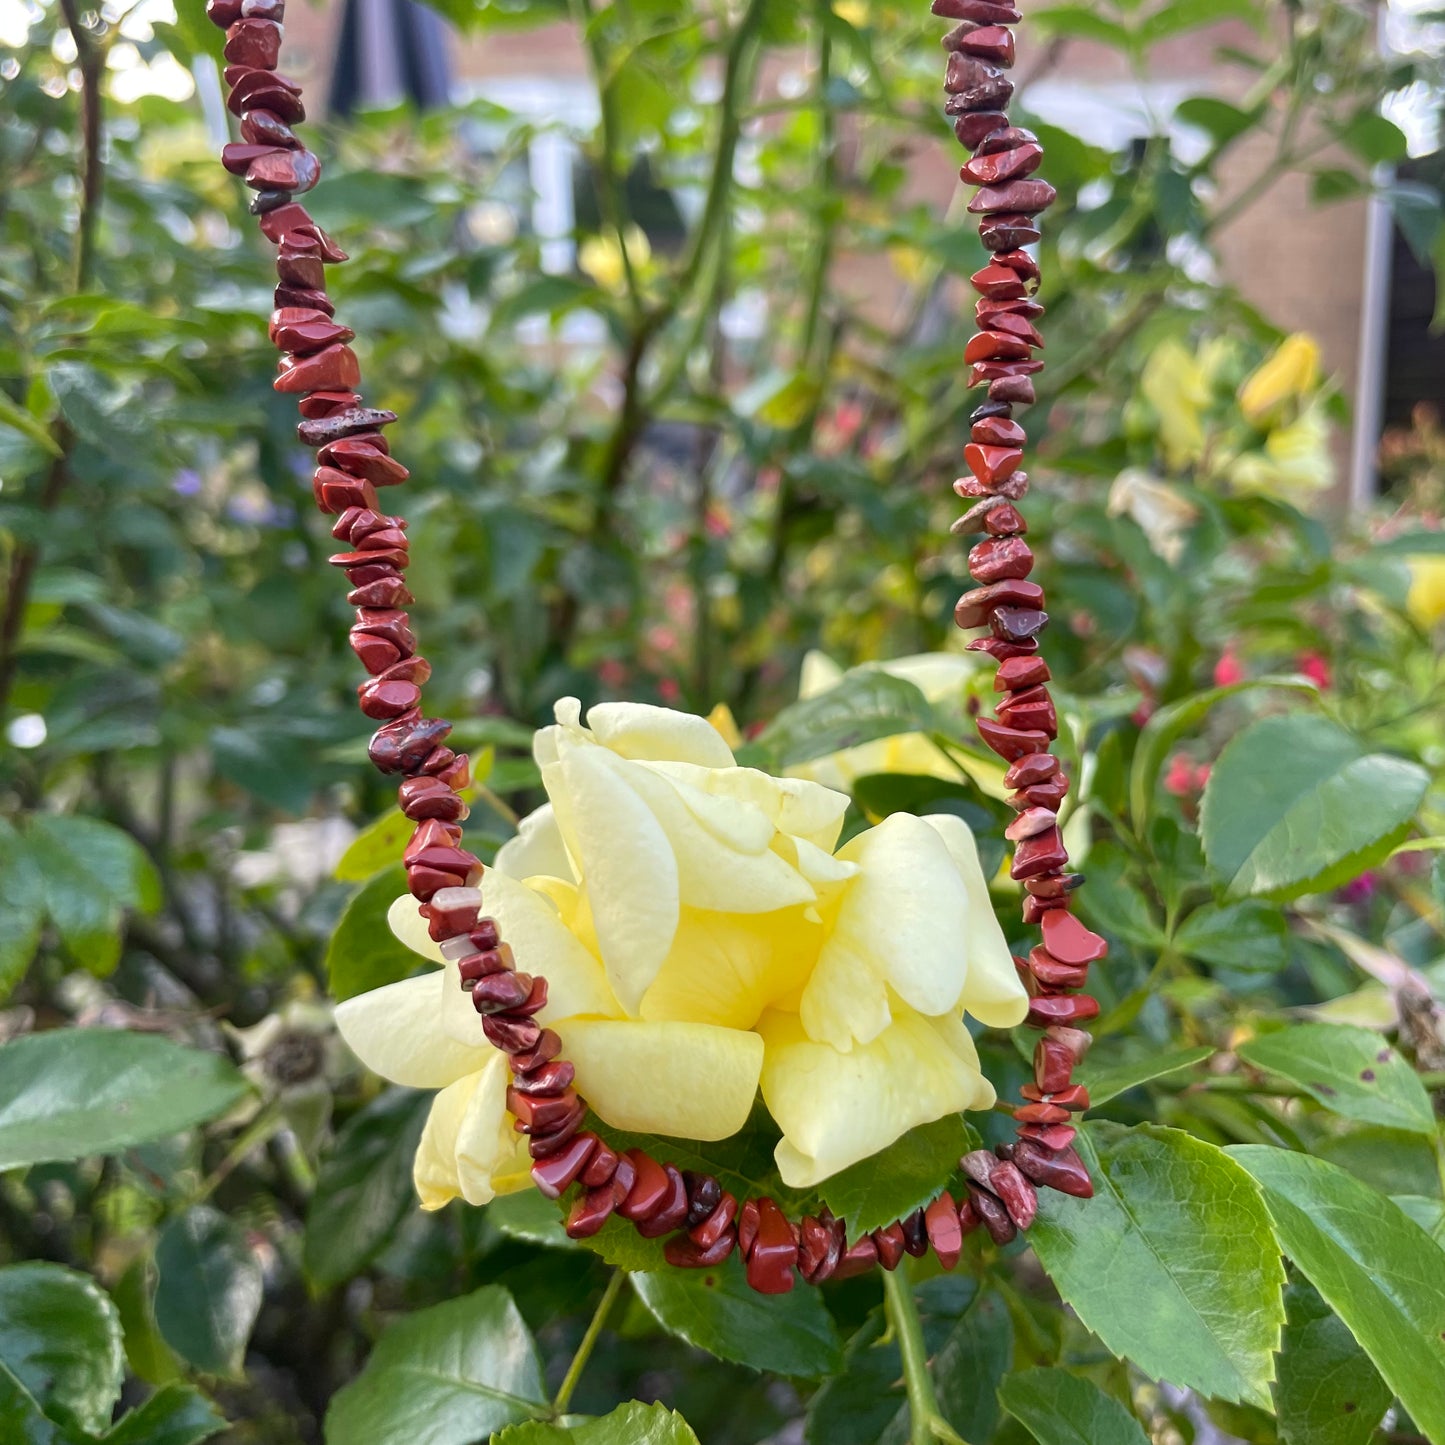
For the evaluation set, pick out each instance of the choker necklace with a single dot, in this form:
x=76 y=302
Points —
x=705 y=1222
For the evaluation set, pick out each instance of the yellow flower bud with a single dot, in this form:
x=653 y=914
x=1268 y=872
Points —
x=1426 y=602
x=1289 y=375
x=1175 y=384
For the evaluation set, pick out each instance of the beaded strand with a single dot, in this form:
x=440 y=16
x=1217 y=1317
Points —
x=705 y=1222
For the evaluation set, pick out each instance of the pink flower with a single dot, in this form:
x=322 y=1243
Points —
x=1179 y=780
x=1316 y=668
x=1228 y=670
x=668 y=690
x=1361 y=889
x=612 y=672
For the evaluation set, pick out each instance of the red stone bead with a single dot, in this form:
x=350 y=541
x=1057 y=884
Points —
x=422 y=882
x=550 y=1080
x=992 y=371
x=1070 y=942
x=237 y=157
x=1016 y=1194
x=1061 y=1009
x=376 y=653
x=293 y=217
x=973 y=127
x=553 y=1176
x=1000 y=167
x=915 y=1234
x=382 y=700
x=1030 y=768
x=402 y=746
x=648 y=1191
x=974 y=607
x=716 y=1225
x=944 y=1232
x=334 y=368
x=998 y=431
x=1005 y=521
x=820 y=1248
x=993 y=43
x=992 y=464
x=973 y=84
x=993 y=313
x=1021 y=672
x=1017 y=624
x=590 y=1213
x=624 y=1177
x=774 y=1254
x=968 y=1219
x=1030 y=708
x=672 y=1213
x=996 y=346
x=253 y=42
x=1051 y=1136
x=1009 y=138
x=1074 y=1098
x=483 y=964
x=543 y=1146
x=1029 y=824
x=1053 y=973
x=1009 y=230
x=1041 y=1114
x=361 y=458
x=1009 y=743
x=980 y=12
x=1043 y=853
x=1061 y=1169
x=536 y=1114
x=1018 y=326
x=1016 y=390
x=998 y=283
x=682 y=1253
x=994 y=1215
x=223 y=13
x=1047 y=795
x=1011 y=489
x=1000 y=558
x=1053 y=1065
x=500 y=992
x=889 y=1243
x=858 y=1259
x=748 y=1225
x=265 y=90
x=704 y=1195
x=334 y=428
x=602 y=1167
x=261 y=127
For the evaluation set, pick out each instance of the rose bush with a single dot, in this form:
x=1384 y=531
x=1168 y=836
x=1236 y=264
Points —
x=702 y=935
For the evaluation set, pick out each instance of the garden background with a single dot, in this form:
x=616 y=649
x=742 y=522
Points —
x=714 y=438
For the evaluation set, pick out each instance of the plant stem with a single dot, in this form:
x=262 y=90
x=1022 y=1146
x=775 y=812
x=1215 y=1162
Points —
x=928 y=1425
x=589 y=1342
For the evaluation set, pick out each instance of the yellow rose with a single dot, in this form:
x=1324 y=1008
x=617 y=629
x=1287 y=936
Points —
x=941 y=677
x=1176 y=385
x=700 y=936
x=1426 y=602
x=1289 y=375
x=1295 y=463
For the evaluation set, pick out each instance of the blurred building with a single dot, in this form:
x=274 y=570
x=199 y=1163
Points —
x=1331 y=271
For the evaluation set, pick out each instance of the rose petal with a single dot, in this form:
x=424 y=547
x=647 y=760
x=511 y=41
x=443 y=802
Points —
x=468 y=1147
x=410 y=928
x=844 y=1001
x=726 y=969
x=397 y=1032
x=835 y=1109
x=538 y=850
x=658 y=734
x=690 y=1081
x=992 y=992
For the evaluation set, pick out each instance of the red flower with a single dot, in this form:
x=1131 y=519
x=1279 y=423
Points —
x=1229 y=669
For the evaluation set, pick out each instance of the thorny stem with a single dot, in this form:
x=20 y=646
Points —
x=928 y=1425
x=589 y=1342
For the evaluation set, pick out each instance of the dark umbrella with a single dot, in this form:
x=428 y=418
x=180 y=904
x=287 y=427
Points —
x=390 y=51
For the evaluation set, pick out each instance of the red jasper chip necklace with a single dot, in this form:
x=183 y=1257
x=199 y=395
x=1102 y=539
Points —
x=703 y=1222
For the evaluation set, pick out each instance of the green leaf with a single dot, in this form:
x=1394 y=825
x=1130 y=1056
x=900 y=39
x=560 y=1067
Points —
x=1172 y=1263
x=1428 y=1213
x=1081 y=22
x=30 y=427
x=1223 y=121
x=893 y=1183
x=448 y=1375
x=1111 y=1080
x=70 y=1093
x=531 y=1217
x=91 y=873
x=1376 y=140
x=969 y=1338
x=1295 y=805
x=379 y=845
x=1328 y=1392
x=364 y=953
x=880 y=795
x=864 y=706
x=1179 y=16
x=22 y=1421
x=208 y=1290
x=1061 y=1409
x=1167 y=726
x=364 y=1189
x=22 y=908
x=1250 y=937
x=60 y=1337
x=1351 y=1071
x=1372 y=1264
x=715 y=1310
x=633 y=1424
x=1334 y=183
x=175 y=1415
